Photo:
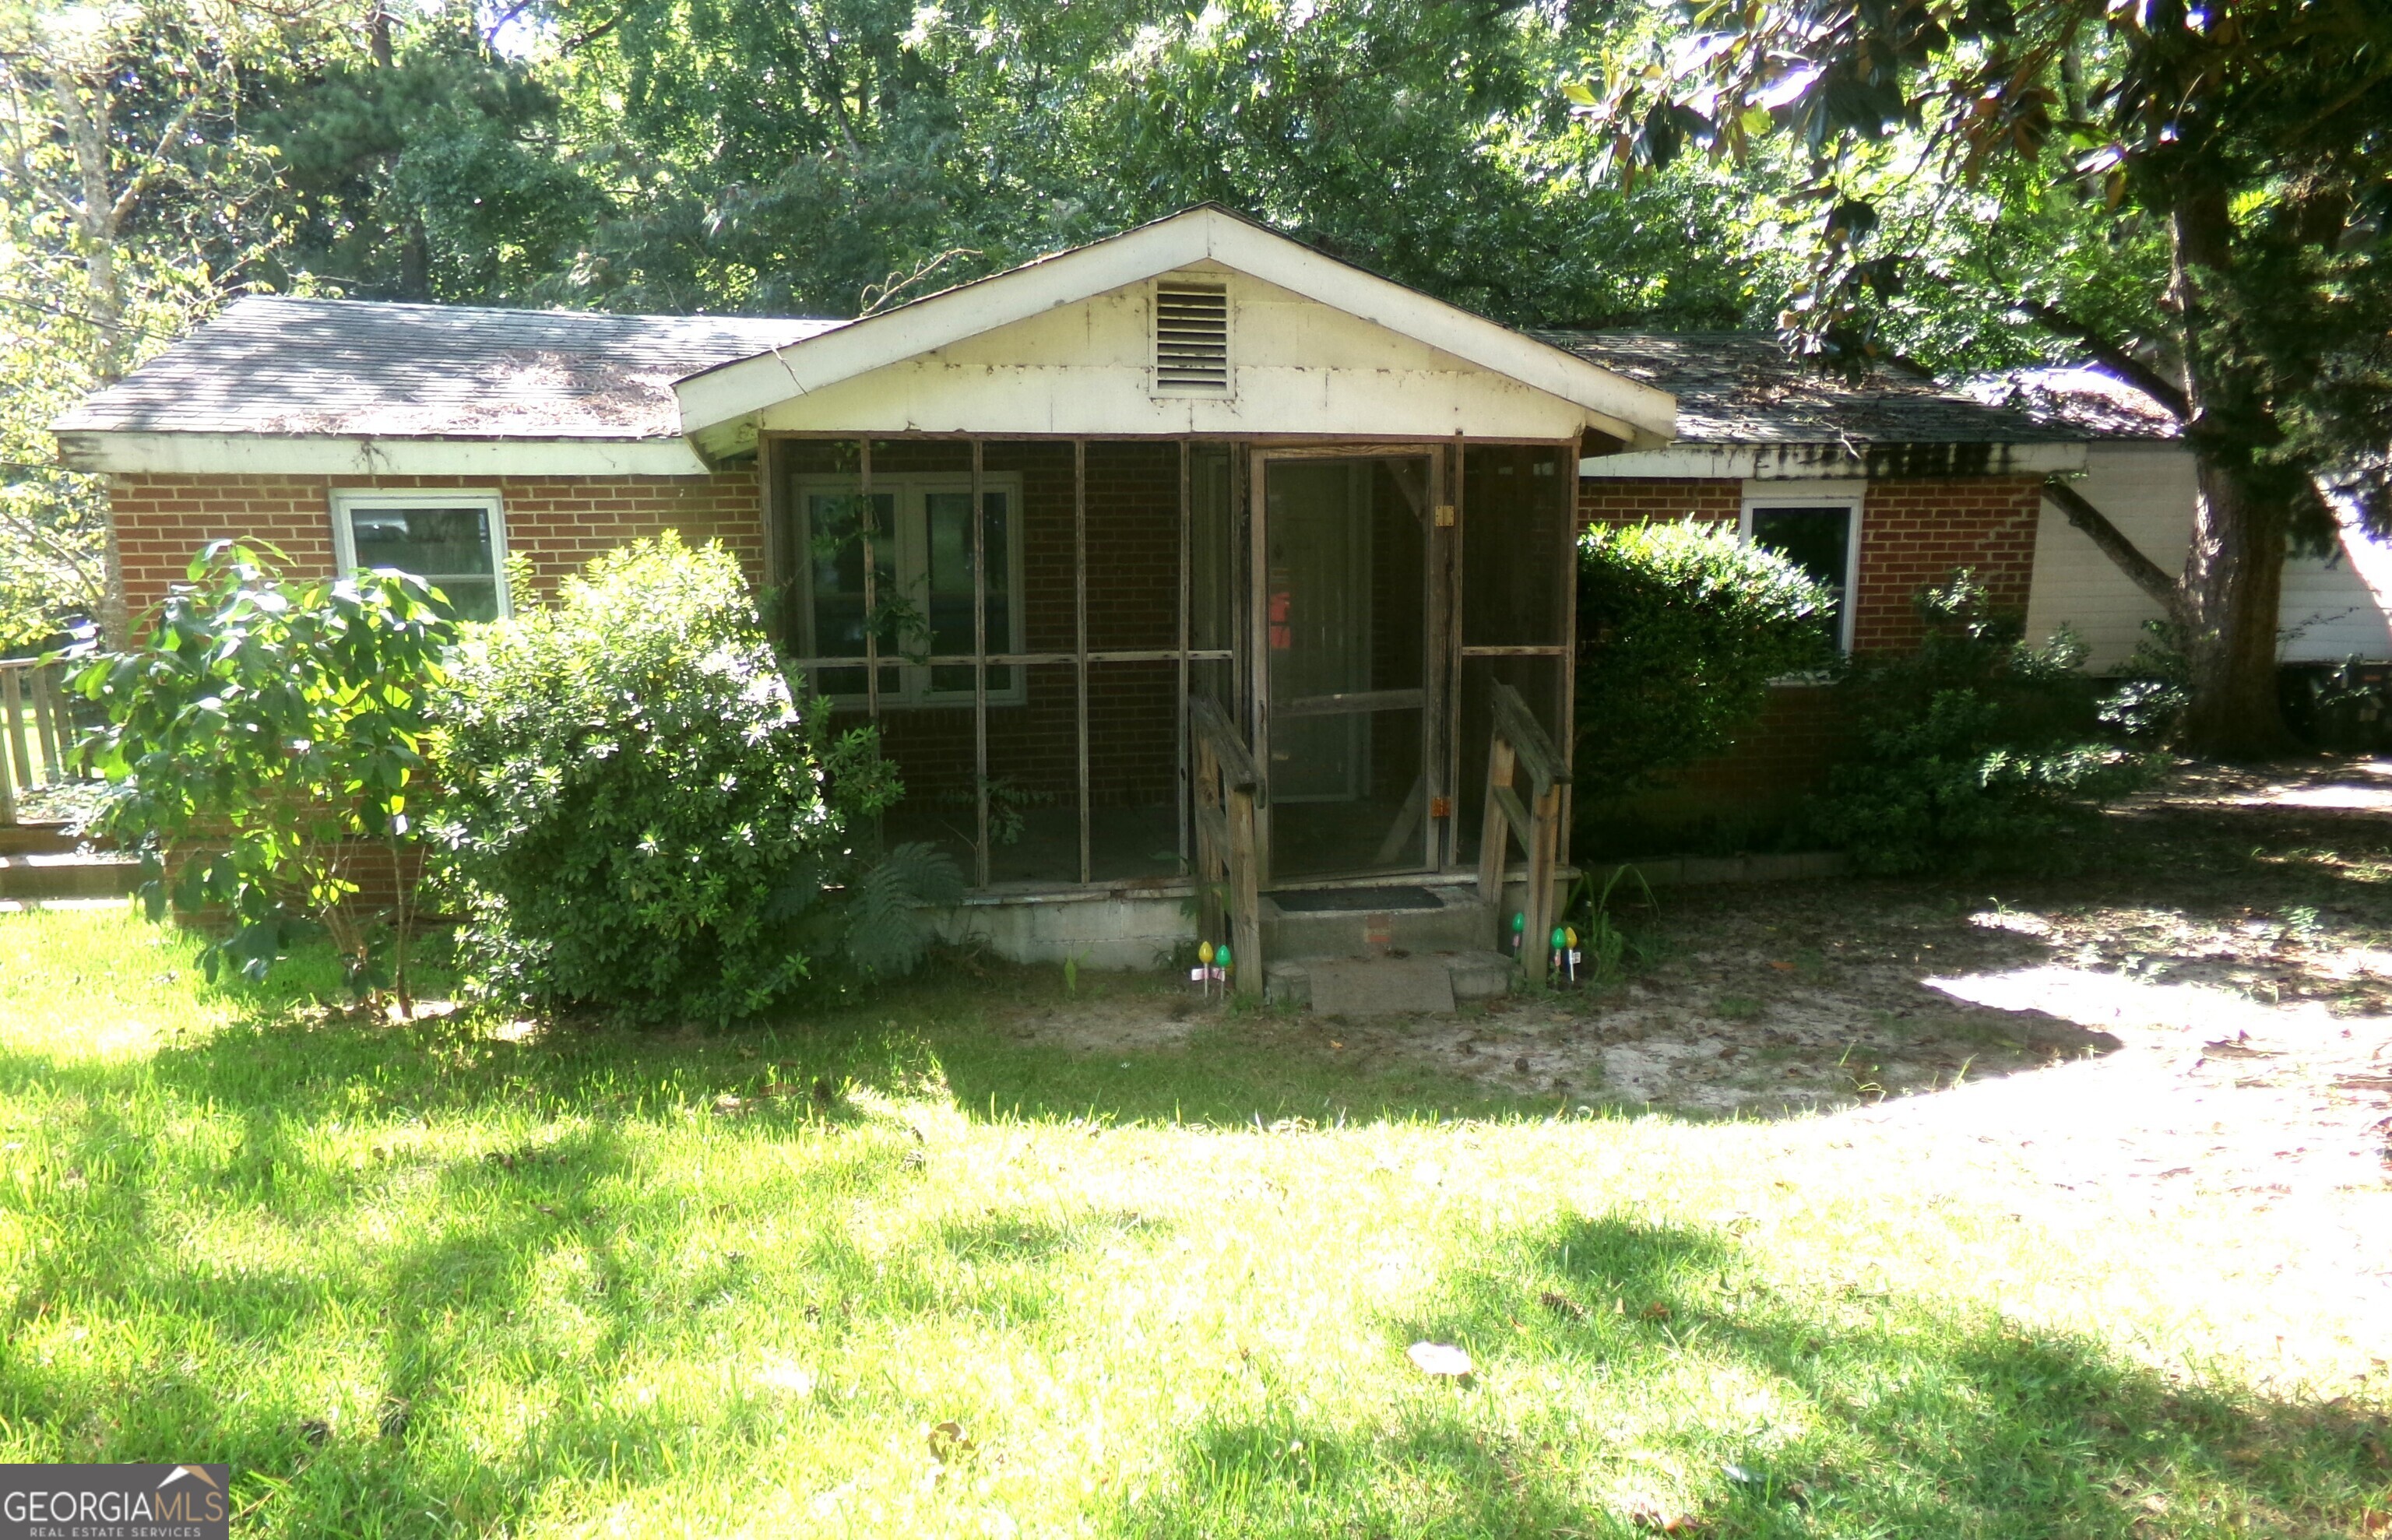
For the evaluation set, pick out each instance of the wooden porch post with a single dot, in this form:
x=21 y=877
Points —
x=864 y=520
x=1180 y=744
x=1080 y=640
x=980 y=664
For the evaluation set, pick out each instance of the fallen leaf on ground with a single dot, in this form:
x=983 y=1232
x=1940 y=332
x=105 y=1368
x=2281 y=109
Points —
x=1562 y=1304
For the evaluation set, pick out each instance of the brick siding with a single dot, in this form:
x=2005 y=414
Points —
x=1913 y=531
x=558 y=522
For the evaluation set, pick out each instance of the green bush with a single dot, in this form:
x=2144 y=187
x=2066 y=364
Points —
x=261 y=740
x=1977 y=750
x=643 y=820
x=1680 y=628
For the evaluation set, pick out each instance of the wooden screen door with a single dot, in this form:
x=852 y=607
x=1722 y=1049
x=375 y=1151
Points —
x=1343 y=634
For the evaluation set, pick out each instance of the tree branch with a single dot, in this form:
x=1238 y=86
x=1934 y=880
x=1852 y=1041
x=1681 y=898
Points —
x=140 y=181
x=2120 y=362
x=2146 y=573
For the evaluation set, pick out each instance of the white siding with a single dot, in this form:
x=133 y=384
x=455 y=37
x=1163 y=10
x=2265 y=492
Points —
x=2147 y=491
x=2333 y=607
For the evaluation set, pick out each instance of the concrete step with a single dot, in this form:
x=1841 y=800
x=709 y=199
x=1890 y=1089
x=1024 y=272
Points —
x=1476 y=976
x=69 y=875
x=1351 y=922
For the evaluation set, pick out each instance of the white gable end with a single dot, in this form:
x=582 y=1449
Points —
x=1066 y=345
x=1296 y=366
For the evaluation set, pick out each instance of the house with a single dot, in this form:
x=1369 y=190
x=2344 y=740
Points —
x=1190 y=552
x=2336 y=605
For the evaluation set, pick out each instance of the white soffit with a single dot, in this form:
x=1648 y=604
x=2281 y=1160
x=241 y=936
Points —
x=1639 y=414
x=261 y=454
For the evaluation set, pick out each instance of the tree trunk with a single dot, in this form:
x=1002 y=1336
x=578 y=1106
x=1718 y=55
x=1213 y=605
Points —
x=2233 y=584
x=2234 y=571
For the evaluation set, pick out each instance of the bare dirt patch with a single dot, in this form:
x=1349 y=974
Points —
x=2206 y=998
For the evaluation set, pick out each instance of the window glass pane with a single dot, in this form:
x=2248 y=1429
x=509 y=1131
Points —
x=470 y=597
x=432 y=542
x=1816 y=539
x=835 y=551
x=948 y=541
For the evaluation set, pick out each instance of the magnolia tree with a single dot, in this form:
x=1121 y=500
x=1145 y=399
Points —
x=2196 y=196
x=265 y=741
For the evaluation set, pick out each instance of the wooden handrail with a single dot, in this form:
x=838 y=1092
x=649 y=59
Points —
x=1205 y=715
x=1519 y=743
x=1227 y=788
x=1536 y=751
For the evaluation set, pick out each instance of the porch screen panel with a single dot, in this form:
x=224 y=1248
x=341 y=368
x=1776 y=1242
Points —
x=1132 y=546
x=1516 y=537
x=1133 y=770
x=1034 y=781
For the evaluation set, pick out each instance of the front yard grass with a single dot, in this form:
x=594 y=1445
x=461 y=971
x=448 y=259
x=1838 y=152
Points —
x=891 y=1272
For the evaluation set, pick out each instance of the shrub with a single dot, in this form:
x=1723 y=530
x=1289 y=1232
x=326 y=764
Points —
x=642 y=819
x=1680 y=628
x=263 y=736
x=1979 y=749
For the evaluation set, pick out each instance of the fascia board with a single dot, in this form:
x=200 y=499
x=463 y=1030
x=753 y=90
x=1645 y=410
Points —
x=312 y=455
x=1807 y=461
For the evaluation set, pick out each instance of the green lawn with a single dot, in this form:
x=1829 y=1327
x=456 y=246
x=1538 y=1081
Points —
x=454 y=1278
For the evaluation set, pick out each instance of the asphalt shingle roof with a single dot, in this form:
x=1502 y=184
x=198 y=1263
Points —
x=1742 y=387
x=2097 y=405
x=359 y=368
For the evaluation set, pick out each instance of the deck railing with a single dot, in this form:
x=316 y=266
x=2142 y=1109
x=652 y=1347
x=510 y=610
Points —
x=37 y=730
x=1519 y=744
x=1226 y=876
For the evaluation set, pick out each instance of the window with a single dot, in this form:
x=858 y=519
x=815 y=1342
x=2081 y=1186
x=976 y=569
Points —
x=922 y=584
x=1192 y=339
x=1821 y=535
x=456 y=541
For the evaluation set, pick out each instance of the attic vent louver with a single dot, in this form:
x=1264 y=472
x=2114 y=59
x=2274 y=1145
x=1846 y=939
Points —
x=1191 y=338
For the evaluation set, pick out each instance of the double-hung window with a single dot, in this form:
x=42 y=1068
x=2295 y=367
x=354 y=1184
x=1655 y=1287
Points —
x=920 y=528
x=456 y=541
x=1821 y=534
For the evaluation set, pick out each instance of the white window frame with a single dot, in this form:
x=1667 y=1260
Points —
x=912 y=565
x=1777 y=494
x=346 y=500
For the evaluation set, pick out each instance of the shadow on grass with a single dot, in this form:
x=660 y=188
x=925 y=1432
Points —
x=1632 y=1376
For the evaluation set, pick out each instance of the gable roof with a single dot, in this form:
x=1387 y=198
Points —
x=1744 y=388
x=1628 y=409
x=360 y=368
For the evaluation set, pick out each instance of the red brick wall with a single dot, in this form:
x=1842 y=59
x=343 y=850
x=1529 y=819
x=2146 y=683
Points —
x=1913 y=531
x=558 y=522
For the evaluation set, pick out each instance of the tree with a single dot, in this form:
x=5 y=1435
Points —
x=2211 y=186
x=105 y=118
x=262 y=738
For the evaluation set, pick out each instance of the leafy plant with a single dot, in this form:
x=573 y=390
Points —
x=264 y=736
x=645 y=820
x=1978 y=749
x=1607 y=946
x=1682 y=626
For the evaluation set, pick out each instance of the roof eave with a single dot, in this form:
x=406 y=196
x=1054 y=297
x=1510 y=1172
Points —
x=1837 y=460
x=127 y=452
